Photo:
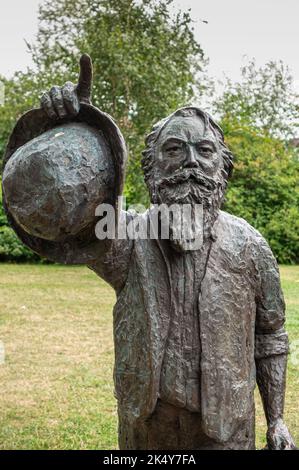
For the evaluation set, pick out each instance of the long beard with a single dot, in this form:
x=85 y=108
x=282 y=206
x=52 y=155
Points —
x=185 y=186
x=191 y=186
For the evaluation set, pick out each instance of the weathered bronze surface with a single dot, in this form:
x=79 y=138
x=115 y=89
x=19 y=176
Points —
x=73 y=165
x=194 y=330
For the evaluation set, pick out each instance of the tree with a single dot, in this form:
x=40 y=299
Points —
x=146 y=62
x=258 y=116
x=264 y=99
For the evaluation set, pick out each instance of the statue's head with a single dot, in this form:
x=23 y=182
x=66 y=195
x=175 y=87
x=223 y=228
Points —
x=186 y=160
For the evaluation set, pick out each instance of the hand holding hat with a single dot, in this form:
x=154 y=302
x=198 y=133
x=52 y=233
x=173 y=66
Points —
x=61 y=162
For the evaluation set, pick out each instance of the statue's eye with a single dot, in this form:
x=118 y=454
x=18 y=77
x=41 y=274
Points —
x=173 y=148
x=205 y=150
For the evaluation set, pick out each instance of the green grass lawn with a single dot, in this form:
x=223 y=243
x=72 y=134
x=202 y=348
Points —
x=56 y=382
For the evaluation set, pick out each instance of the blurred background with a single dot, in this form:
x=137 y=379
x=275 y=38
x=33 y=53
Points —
x=237 y=60
x=150 y=57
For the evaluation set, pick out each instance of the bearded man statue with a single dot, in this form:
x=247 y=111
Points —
x=195 y=328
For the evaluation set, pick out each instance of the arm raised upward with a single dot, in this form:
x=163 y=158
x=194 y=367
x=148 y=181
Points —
x=65 y=101
x=62 y=161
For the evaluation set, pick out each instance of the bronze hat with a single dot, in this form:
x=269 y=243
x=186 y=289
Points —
x=31 y=125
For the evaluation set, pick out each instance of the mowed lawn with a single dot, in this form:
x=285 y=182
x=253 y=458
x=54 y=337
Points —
x=56 y=382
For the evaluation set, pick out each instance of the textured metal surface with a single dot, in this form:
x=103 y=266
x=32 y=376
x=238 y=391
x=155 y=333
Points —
x=62 y=175
x=240 y=308
x=83 y=246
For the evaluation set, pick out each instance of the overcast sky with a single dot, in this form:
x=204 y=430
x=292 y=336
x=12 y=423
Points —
x=264 y=29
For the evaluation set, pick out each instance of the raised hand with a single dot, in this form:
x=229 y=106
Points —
x=63 y=102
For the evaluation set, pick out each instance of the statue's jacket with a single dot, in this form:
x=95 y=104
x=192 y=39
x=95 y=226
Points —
x=241 y=317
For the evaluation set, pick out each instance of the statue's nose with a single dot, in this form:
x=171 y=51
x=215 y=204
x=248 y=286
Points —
x=190 y=160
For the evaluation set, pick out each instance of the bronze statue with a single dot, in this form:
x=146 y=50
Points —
x=194 y=329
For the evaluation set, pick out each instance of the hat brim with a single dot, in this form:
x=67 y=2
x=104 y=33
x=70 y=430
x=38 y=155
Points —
x=82 y=247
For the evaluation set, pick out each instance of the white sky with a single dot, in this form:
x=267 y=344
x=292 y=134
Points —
x=264 y=29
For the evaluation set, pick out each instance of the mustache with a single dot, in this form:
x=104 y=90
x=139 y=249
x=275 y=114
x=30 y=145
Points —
x=186 y=174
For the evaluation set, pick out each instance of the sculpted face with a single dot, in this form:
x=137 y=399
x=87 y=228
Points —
x=187 y=162
x=183 y=143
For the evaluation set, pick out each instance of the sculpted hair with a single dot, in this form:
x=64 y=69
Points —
x=148 y=155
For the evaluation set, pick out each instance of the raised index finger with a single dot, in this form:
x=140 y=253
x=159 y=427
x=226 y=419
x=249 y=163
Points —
x=85 y=79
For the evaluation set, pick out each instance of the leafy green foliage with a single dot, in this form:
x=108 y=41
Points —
x=264 y=99
x=18 y=96
x=264 y=188
x=147 y=63
x=11 y=249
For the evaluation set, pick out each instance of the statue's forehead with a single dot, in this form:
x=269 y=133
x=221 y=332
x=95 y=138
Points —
x=191 y=128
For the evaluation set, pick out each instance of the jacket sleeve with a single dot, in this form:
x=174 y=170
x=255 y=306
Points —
x=270 y=338
x=112 y=264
